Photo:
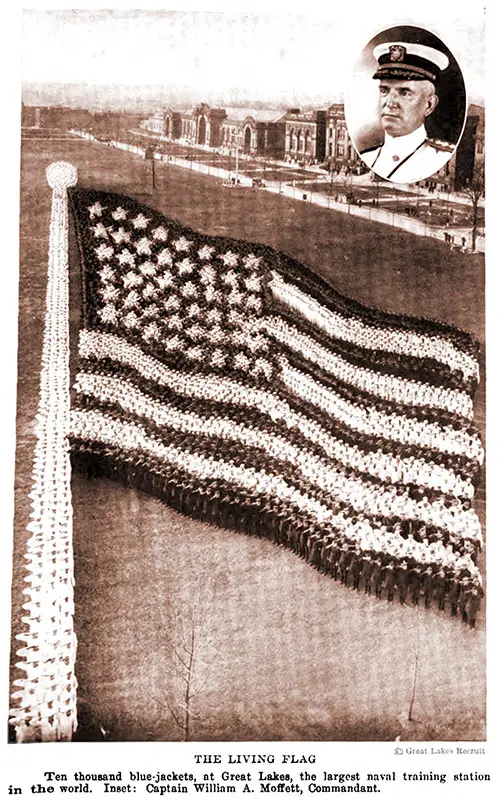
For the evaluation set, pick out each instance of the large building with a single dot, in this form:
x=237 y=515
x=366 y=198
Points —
x=257 y=132
x=305 y=135
x=467 y=162
x=294 y=135
x=340 y=153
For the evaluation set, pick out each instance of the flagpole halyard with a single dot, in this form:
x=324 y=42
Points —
x=45 y=701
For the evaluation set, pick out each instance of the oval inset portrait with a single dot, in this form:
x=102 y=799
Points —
x=406 y=105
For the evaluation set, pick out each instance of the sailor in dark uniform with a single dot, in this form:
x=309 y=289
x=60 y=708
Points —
x=408 y=74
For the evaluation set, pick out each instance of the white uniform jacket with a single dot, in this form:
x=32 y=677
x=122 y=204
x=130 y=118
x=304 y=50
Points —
x=406 y=159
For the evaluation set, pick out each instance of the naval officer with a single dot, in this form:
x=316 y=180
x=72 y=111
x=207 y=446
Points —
x=408 y=76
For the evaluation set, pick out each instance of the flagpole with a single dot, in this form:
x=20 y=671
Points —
x=44 y=707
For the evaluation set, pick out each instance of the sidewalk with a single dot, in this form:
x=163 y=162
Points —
x=368 y=212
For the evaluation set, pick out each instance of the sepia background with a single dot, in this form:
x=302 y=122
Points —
x=282 y=652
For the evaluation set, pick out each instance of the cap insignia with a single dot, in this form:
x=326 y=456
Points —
x=397 y=53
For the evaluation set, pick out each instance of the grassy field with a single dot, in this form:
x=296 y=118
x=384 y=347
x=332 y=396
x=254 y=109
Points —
x=286 y=653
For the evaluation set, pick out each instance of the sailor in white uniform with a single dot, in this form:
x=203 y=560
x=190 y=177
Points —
x=407 y=75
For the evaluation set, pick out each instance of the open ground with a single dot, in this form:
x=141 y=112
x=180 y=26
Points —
x=284 y=653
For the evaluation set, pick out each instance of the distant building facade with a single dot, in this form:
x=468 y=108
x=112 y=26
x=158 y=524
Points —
x=340 y=153
x=100 y=123
x=467 y=162
x=292 y=135
x=305 y=135
x=295 y=136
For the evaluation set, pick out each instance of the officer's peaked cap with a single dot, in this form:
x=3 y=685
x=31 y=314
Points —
x=409 y=61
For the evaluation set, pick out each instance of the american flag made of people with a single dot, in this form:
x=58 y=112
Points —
x=230 y=381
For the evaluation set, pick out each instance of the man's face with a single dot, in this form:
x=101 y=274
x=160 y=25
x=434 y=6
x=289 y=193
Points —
x=404 y=105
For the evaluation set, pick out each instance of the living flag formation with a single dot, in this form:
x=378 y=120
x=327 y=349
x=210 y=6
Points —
x=230 y=381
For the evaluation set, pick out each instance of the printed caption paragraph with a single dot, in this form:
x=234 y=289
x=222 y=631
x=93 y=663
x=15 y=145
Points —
x=281 y=776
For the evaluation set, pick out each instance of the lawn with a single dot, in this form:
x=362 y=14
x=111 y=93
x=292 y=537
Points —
x=288 y=653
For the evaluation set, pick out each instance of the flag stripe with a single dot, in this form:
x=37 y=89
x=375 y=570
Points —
x=385 y=468
x=351 y=488
x=388 y=363
x=318 y=431
x=370 y=421
x=352 y=329
x=101 y=345
x=92 y=426
x=310 y=283
x=389 y=387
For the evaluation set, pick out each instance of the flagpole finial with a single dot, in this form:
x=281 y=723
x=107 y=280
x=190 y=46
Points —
x=61 y=175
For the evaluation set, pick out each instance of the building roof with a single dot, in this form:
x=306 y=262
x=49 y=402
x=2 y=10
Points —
x=303 y=116
x=258 y=114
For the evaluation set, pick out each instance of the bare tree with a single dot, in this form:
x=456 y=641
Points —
x=189 y=654
x=474 y=189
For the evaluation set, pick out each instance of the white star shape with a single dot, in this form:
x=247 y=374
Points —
x=104 y=252
x=195 y=331
x=131 y=300
x=236 y=319
x=251 y=261
x=149 y=291
x=241 y=361
x=253 y=303
x=195 y=354
x=109 y=293
x=214 y=316
x=108 y=314
x=121 y=236
x=189 y=289
x=126 y=257
x=205 y=252
x=151 y=331
x=207 y=274
x=210 y=293
x=140 y=221
x=182 y=244
x=96 y=210
x=131 y=320
x=100 y=231
x=148 y=268
x=217 y=334
x=230 y=259
x=107 y=273
x=165 y=281
x=174 y=322
x=119 y=214
x=151 y=311
x=172 y=303
x=235 y=298
x=164 y=257
x=193 y=310
x=132 y=279
x=253 y=283
x=218 y=358
x=230 y=278
x=143 y=246
x=185 y=266
x=160 y=234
